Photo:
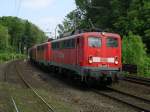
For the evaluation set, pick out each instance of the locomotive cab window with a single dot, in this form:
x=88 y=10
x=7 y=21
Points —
x=55 y=45
x=112 y=42
x=94 y=41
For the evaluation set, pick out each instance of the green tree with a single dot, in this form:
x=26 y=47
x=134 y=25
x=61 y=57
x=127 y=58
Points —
x=72 y=21
x=4 y=38
x=15 y=28
x=23 y=34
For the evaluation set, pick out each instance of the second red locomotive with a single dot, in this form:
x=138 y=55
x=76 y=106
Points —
x=90 y=55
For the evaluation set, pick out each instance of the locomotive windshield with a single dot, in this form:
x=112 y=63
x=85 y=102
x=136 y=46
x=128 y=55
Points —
x=112 y=42
x=94 y=42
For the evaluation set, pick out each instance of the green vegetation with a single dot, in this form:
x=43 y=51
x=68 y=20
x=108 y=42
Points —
x=134 y=52
x=129 y=18
x=4 y=37
x=16 y=36
x=10 y=56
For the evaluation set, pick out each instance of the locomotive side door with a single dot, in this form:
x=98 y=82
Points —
x=78 y=50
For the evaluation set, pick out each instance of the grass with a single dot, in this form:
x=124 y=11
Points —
x=26 y=101
x=5 y=101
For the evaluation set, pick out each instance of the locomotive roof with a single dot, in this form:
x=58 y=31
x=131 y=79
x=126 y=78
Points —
x=87 y=33
x=65 y=38
x=42 y=44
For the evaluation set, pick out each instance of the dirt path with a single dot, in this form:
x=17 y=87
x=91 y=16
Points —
x=2 y=67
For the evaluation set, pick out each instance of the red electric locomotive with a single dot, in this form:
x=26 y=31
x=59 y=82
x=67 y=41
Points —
x=40 y=54
x=43 y=53
x=32 y=54
x=90 y=55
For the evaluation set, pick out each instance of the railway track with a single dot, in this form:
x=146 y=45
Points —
x=136 y=102
x=138 y=80
x=48 y=107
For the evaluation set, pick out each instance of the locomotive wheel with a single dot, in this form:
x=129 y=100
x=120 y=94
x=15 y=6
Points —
x=90 y=82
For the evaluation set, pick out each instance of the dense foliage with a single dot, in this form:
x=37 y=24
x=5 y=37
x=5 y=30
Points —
x=4 y=37
x=6 y=56
x=129 y=18
x=133 y=51
x=17 y=35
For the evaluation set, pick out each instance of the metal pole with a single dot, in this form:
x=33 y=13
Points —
x=55 y=32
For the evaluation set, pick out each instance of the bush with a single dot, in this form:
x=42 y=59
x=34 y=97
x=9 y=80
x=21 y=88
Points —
x=134 y=52
x=146 y=67
x=10 y=56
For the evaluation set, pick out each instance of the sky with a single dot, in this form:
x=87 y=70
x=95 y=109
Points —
x=46 y=14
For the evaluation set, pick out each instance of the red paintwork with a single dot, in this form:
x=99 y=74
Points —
x=80 y=54
x=103 y=52
x=44 y=54
x=32 y=52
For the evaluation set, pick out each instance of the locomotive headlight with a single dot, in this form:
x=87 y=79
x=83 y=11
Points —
x=103 y=33
x=116 y=62
x=90 y=60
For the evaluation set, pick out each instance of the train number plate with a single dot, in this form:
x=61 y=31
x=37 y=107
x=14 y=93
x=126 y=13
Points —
x=96 y=59
x=103 y=59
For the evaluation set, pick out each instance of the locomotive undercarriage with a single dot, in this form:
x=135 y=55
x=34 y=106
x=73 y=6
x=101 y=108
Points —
x=90 y=76
x=100 y=76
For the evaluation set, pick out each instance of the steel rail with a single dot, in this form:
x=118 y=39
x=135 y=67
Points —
x=136 y=80
x=120 y=100
x=14 y=103
x=51 y=109
x=139 y=78
x=124 y=93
